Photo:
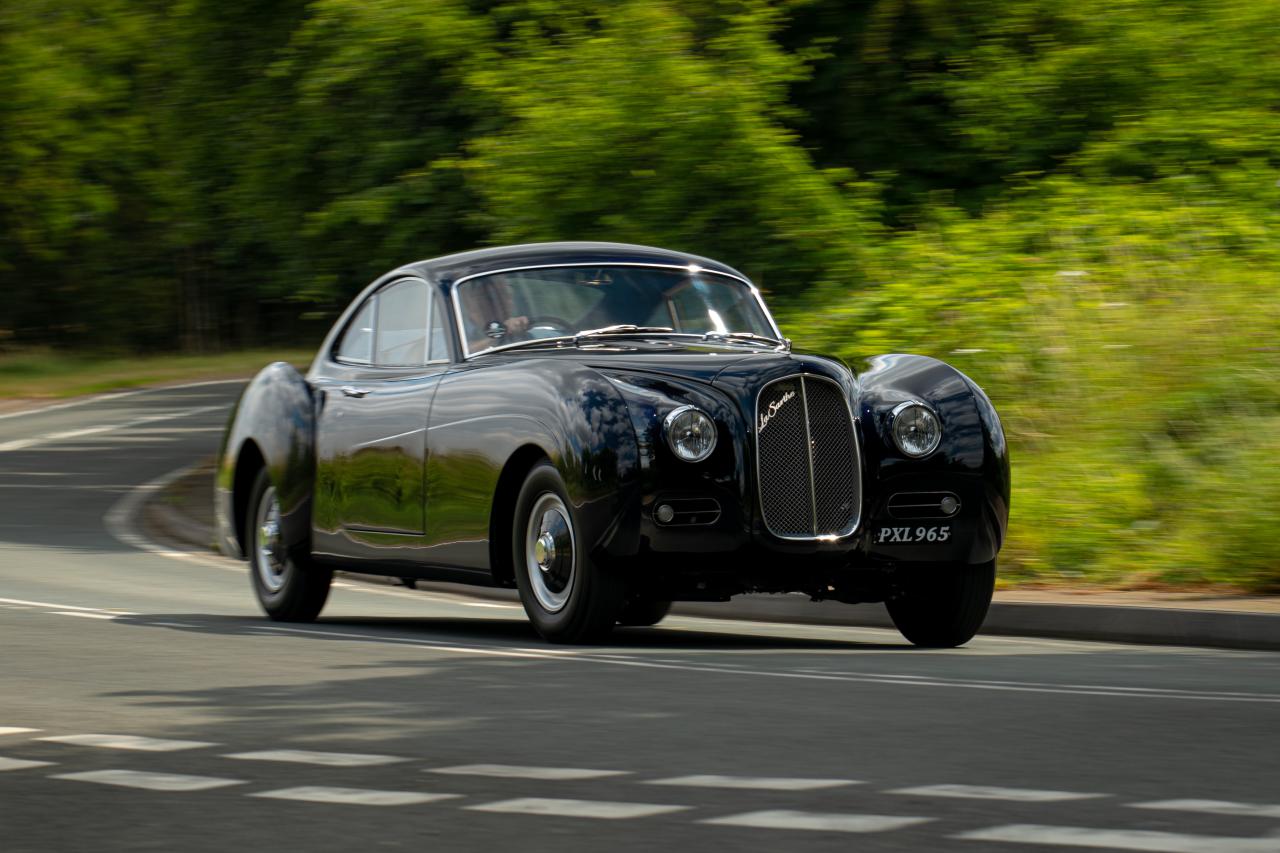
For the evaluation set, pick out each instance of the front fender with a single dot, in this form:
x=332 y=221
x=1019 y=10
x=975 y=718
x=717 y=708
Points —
x=273 y=426
x=972 y=455
x=486 y=417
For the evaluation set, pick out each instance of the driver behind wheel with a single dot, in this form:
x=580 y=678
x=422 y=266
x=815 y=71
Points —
x=490 y=315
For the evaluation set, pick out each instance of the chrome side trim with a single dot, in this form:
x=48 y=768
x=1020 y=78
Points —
x=467 y=355
x=857 y=451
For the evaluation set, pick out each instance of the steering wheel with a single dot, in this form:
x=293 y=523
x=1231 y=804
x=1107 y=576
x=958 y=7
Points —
x=549 y=323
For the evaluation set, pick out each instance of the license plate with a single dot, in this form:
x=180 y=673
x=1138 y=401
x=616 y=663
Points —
x=913 y=535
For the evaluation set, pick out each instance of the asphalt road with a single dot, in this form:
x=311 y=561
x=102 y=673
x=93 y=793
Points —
x=145 y=704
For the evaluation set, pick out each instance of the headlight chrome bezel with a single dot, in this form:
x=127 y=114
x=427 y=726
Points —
x=895 y=419
x=669 y=432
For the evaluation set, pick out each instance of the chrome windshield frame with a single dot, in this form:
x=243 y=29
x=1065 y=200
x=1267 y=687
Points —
x=692 y=269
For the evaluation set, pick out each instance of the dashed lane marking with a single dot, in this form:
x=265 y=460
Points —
x=987 y=792
x=16 y=730
x=1222 y=807
x=598 y=809
x=1120 y=839
x=515 y=771
x=325 y=759
x=353 y=796
x=819 y=821
x=82 y=615
x=20 y=764
x=757 y=783
x=141 y=744
x=150 y=781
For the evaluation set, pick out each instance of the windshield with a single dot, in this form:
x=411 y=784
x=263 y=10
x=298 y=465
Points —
x=527 y=305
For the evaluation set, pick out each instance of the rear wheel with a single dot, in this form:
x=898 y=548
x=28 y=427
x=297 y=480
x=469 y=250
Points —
x=288 y=587
x=943 y=606
x=642 y=611
x=569 y=599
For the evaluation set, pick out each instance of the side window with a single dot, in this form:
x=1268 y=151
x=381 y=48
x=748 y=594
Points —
x=439 y=331
x=357 y=342
x=402 y=324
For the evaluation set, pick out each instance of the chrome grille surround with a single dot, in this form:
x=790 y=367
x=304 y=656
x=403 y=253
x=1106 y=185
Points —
x=808 y=460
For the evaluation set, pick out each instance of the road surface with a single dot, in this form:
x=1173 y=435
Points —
x=145 y=704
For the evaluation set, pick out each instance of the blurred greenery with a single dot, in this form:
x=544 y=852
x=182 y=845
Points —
x=1074 y=203
x=34 y=373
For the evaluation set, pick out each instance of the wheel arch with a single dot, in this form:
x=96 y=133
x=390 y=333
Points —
x=249 y=461
x=501 y=518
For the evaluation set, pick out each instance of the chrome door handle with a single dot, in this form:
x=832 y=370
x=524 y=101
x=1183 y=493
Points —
x=352 y=391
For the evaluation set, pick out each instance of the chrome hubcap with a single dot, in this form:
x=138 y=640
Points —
x=544 y=551
x=549 y=555
x=269 y=552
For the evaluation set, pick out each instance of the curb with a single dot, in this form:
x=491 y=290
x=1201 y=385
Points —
x=1112 y=623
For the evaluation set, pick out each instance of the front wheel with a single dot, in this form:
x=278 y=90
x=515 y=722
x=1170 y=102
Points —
x=943 y=606
x=288 y=587
x=569 y=599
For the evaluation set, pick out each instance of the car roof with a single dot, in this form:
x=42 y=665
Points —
x=450 y=268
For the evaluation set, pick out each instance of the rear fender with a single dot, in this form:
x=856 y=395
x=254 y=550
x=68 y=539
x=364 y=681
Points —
x=271 y=426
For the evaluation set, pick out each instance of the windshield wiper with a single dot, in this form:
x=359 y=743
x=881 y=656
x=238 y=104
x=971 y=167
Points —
x=620 y=329
x=748 y=336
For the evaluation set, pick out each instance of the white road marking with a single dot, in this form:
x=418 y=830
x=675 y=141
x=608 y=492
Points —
x=82 y=614
x=824 y=822
x=986 y=792
x=102 y=398
x=20 y=764
x=53 y=606
x=353 y=796
x=1121 y=839
x=16 y=730
x=858 y=678
x=599 y=809
x=515 y=771
x=119 y=523
x=150 y=781
x=325 y=759
x=141 y=744
x=48 y=438
x=1214 y=807
x=758 y=783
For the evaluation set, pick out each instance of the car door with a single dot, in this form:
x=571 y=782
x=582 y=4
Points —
x=371 y=424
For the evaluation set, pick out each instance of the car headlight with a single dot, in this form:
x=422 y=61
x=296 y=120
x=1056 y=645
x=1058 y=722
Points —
x=916 y=429
x=691 y=434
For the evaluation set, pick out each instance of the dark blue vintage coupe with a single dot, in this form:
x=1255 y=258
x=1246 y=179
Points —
x=610 y=428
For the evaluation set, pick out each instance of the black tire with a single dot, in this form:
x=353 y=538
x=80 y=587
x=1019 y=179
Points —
x=571 y=599
x=289 y=587
x=942 y=607
x=642 y=611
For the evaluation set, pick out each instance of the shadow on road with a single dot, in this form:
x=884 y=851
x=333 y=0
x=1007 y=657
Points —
x=498 y=633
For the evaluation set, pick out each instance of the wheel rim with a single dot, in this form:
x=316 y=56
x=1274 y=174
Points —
x=269 y=560
x=549 y=557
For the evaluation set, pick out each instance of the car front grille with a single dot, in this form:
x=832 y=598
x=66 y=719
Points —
x=809 y=475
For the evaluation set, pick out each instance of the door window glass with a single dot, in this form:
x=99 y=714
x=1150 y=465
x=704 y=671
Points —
x=357 y=341
x=402 y=324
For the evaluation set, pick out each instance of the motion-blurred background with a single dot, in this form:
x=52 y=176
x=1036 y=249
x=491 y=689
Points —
x=1076 y=203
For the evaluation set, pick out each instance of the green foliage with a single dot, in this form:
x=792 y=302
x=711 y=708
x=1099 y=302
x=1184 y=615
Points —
x=1075 y=203
x=1128 y=337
